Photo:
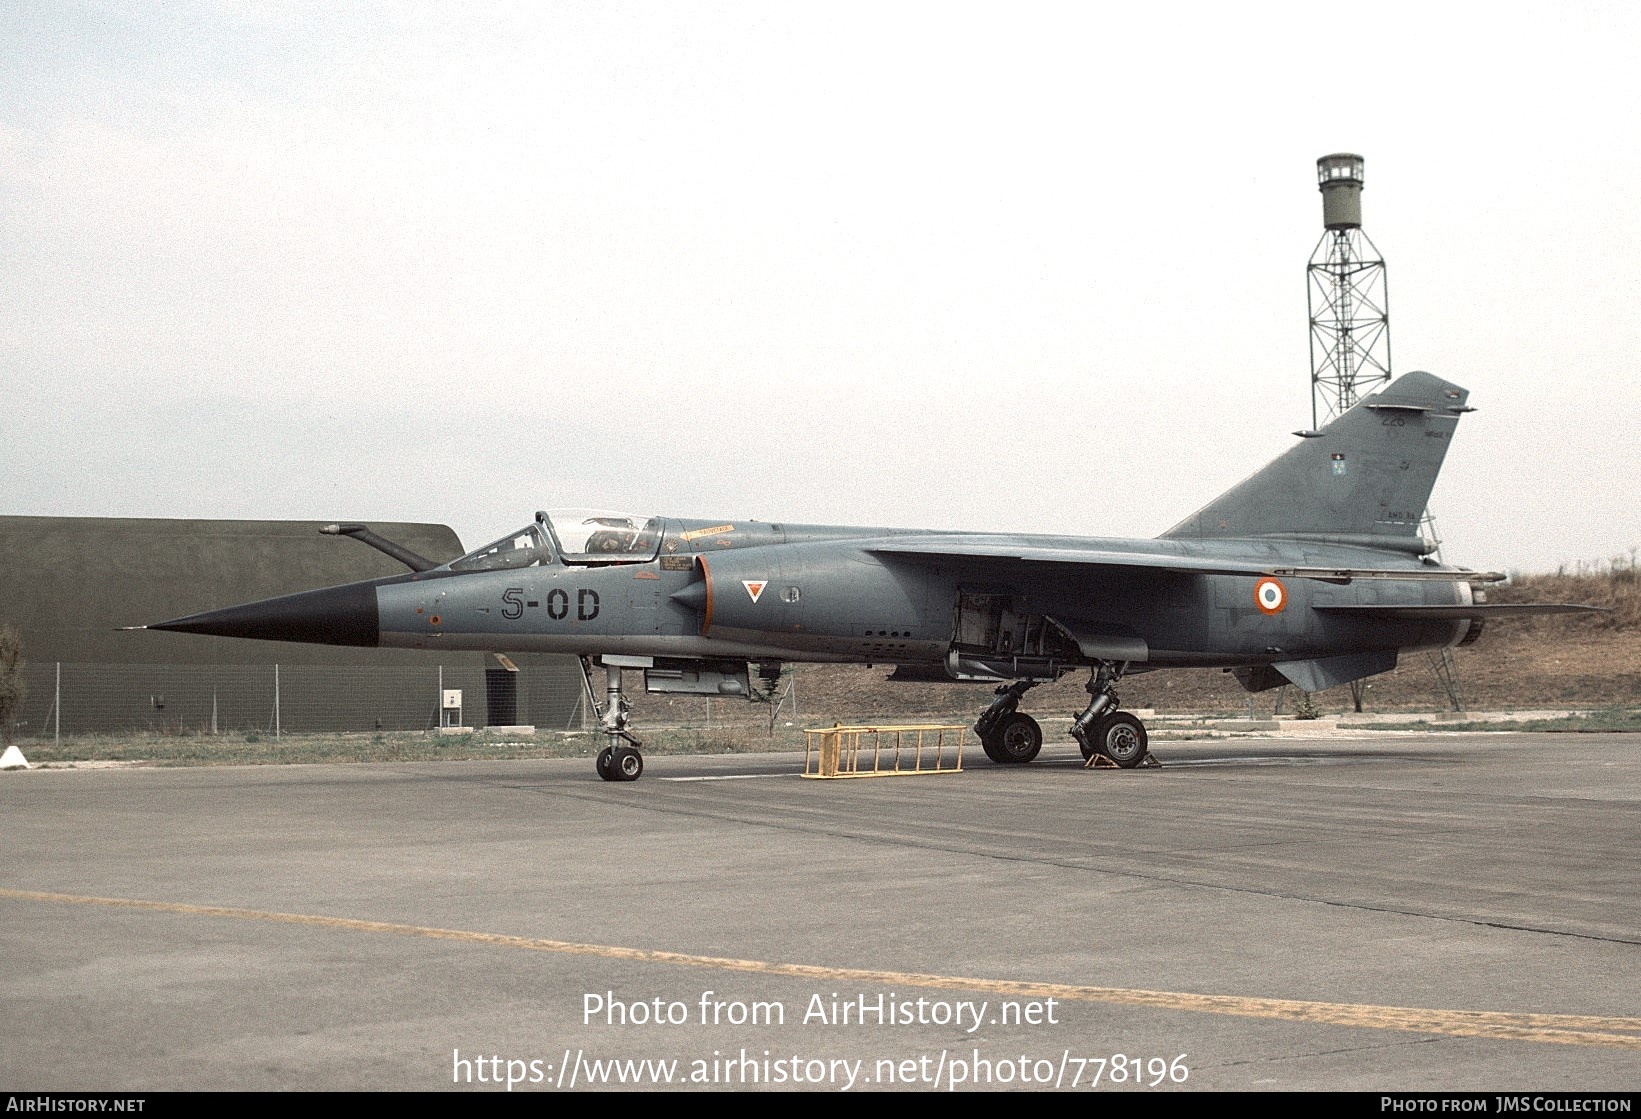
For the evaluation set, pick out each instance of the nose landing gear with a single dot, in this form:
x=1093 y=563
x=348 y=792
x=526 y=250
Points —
x=620 y=759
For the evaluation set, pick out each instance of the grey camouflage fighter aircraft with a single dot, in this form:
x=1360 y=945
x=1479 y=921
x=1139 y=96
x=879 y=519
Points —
x=1311 y=572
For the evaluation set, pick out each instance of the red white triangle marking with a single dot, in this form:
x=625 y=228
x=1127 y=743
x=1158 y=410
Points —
x=754 y=587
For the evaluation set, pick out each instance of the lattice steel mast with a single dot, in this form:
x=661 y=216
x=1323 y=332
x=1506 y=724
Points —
x=1348 y=296
x=1348 y=299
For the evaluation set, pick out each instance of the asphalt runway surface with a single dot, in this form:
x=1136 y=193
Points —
x=1394 y=912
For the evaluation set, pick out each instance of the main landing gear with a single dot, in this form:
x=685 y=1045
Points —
x=620 y=759
x=1103 y=730
x=1011 y=737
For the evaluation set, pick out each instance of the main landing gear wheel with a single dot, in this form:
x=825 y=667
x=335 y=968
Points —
x=1016 y=740
x=622 y=763
x=1120 y=737
x=1004 y=739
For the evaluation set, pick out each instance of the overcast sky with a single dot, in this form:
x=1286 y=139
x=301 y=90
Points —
x=1035 y=267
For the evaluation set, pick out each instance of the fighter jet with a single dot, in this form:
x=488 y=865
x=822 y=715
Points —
x=1311 y=572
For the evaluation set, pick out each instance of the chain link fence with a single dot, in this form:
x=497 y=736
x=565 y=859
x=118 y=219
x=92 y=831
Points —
x=66 y=699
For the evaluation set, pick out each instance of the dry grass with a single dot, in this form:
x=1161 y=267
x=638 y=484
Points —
x=1618 y=588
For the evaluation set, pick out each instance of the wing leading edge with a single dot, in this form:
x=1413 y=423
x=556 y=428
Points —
x=1164 y=561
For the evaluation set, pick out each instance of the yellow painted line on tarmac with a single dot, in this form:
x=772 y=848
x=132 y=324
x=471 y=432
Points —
x=1559 y=1029
x=730 y=777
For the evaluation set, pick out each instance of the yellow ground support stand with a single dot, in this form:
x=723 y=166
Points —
x=887 y=751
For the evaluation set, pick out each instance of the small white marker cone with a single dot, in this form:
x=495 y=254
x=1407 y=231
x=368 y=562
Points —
x=13 y=759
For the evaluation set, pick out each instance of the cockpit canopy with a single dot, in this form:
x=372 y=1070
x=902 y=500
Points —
x=590 y=536
x=572 y=536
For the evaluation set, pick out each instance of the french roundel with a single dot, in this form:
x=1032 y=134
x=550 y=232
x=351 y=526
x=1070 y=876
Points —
x=1270 y=596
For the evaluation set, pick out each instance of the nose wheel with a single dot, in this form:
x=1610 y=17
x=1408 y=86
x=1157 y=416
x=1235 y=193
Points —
x=620 y=763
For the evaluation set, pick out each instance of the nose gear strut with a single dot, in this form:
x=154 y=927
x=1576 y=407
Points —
x=620 y=759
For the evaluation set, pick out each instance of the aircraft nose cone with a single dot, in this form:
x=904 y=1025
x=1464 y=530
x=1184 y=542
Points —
x=343 y=615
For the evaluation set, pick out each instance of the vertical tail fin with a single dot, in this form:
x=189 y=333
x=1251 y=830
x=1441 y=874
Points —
x=1366 y=476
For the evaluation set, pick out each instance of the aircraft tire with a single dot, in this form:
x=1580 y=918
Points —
x=993 y=750
x=1019 y=738
x=604 y=769
x=626 y=765
x=1122 y=738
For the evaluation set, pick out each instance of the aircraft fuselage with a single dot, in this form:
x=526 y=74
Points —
x=821 y=594
x=1310 y=572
